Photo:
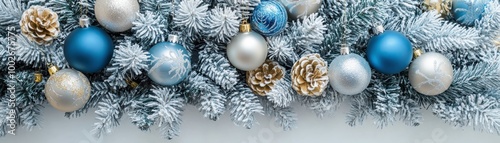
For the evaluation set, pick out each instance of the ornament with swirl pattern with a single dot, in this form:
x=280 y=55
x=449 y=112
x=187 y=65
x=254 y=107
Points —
x=170 y=62
x=301 y=8
x=269 y=18
x=431 y=73
x=467 y=12
x=67 y=90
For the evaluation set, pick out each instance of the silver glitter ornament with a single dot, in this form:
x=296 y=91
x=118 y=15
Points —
x=247 y=50
x=67 y=90
x=349 y=74
x=301 y=8
x=116 y=15
x=431 y=74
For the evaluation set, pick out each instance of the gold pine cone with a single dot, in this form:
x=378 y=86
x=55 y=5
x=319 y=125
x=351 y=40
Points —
x=40 y=24
x=263 y=79
x=310 y=75
x=443 y=7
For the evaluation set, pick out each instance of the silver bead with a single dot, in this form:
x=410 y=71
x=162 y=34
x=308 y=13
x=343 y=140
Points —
x=301 y=8
x=349 y=74
x=116 y=15
x=247 y=51
x=431 y=74
x=67 y=90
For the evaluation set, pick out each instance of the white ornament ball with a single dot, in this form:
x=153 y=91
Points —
x=116 y=15
x=349 y=74
x=247 y=51
x=301 y=8
x=67 y=90
x=431 y=74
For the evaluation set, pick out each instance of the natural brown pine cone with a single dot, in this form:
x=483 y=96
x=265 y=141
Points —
x=310 y=75
x=40 y=25
x=443 y=7
x=263 y=79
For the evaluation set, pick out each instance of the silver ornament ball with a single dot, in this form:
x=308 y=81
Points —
x=67 y=90
x=116 y=15
x=349 y=74
x=247 y=51
x=301 y=8
x=431 y=74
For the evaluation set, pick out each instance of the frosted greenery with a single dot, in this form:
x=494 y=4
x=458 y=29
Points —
x=215 y=87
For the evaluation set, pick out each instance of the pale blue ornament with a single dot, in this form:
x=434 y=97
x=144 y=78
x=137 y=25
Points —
x=467 y=12
x=269 y=18
x=170 y=62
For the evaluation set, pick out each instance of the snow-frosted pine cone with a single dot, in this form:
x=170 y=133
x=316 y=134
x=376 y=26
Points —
x=263 y=79
x=310 y=75
x=40 y=24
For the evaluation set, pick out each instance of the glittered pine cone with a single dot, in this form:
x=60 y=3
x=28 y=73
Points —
x=310 y=75
x=263 y=79
x=443 y=7
x=40 y=25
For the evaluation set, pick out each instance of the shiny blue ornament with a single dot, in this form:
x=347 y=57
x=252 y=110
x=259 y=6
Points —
x=170 y=63
x=467 y=12
x=389 y=52
x=88 y=49
x=269 y=18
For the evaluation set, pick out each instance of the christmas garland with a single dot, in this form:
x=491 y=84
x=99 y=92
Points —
x=148 y=59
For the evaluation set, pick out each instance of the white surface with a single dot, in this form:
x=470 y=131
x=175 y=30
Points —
x=196 y=129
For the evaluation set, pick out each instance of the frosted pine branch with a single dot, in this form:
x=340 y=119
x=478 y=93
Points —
x=167 y=110
x=323 y=105
x=210 y=98
x=281 y=50
x=243 y=105
x=222 y=24
x=307 y=33
x=150 y=28
x=109 y=113
x=217 y=67
x=480 y=110
x=191 y=14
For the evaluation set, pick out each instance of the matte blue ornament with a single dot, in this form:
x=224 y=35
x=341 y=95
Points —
x=389 y=52
x=88 y=49
x=269 y=18
x=170 y=62
x=467 y=12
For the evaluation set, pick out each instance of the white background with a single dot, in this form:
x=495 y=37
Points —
x=196 y=129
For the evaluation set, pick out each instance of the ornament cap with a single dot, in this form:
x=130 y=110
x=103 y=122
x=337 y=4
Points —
x=344 y=49
x=132 y=83
x=84 y=21
x=52 y=69
x=378 y=29
x=173 y=38
x=245 y=26
x=417 y=53
x=38 y=77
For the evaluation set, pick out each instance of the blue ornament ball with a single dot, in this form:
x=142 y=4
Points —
x=170 y=63
x=467 y=12
x=269 y=18
x=389 y=52
x=88 y=49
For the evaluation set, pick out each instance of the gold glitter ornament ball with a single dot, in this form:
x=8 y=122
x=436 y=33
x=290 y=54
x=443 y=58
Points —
x=116 y=15
x=67 y=90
